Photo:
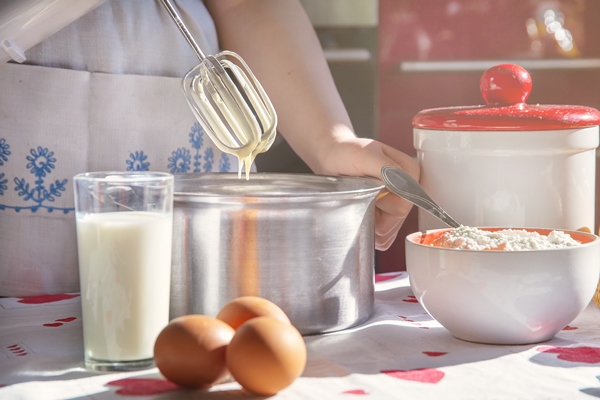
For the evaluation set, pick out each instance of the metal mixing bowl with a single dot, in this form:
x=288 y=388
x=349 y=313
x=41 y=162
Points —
x=305 y=242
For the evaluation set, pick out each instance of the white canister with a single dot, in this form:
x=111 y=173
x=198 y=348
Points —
x=509 y=164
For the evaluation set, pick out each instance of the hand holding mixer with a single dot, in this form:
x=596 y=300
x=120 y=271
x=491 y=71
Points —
x=228 y=101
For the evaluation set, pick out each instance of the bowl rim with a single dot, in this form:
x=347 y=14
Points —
x=227 y=185
x=590 y=239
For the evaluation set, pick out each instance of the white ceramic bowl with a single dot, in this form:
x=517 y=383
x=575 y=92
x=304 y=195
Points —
x=503 y=297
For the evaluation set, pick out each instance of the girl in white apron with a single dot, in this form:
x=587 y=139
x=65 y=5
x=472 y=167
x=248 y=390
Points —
x=104 y=93
x=88 y=99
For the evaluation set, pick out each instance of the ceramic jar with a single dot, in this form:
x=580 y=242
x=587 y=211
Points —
x=508 y=163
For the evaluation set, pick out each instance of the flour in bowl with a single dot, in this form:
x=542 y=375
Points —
x=468 y=238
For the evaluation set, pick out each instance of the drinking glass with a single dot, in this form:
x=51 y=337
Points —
x=124 y=234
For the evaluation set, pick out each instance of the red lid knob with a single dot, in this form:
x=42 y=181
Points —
x=505 y=84
x=505 y=89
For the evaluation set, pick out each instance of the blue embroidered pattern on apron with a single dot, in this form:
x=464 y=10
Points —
x=4 y=153
x=137 y=162
x=180 y=160
x=41 y=162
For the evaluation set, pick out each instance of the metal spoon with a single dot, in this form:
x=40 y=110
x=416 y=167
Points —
x=405 y=186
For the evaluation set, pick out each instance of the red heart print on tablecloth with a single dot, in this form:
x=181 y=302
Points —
x=569 y=328
x=355 y=391
x=68 y=319
x=143 y=386
x=410 y=299
x=59 y=322
x=17 y=350
x=435 y=353
x=584 y=354
x=424 y=375
x=412 y=321
x=52 y=325
x=46 y=298
x=387 y=276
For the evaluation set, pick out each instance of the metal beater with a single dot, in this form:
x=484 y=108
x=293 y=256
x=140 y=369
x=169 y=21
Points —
x=229 y=102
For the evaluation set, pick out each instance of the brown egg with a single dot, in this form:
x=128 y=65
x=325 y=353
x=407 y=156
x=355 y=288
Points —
x=240 y=310
x=266 y=355
x=190 y=351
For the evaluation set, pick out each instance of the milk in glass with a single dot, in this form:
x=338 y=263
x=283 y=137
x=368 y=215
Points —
x=124 y=263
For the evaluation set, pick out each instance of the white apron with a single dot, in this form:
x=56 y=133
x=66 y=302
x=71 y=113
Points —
x=56 y=123
x=60 y=120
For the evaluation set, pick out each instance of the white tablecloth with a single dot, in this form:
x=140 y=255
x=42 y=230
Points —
x=401 y=353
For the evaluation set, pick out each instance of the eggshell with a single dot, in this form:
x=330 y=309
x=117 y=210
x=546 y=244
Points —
x=240 y=310
x=190 y=351
x=266 y=355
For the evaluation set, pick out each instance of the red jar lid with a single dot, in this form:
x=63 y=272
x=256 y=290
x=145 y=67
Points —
x=505 y=89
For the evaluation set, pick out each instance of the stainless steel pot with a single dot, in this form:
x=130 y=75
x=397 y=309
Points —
x=305 y=242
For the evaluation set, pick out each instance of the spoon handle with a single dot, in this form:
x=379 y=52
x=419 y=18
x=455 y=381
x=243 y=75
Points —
x=405 y=186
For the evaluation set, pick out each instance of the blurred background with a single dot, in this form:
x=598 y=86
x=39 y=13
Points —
x=393 y=58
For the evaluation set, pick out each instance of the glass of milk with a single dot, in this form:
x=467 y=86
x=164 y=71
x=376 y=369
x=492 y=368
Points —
x=124 y=234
